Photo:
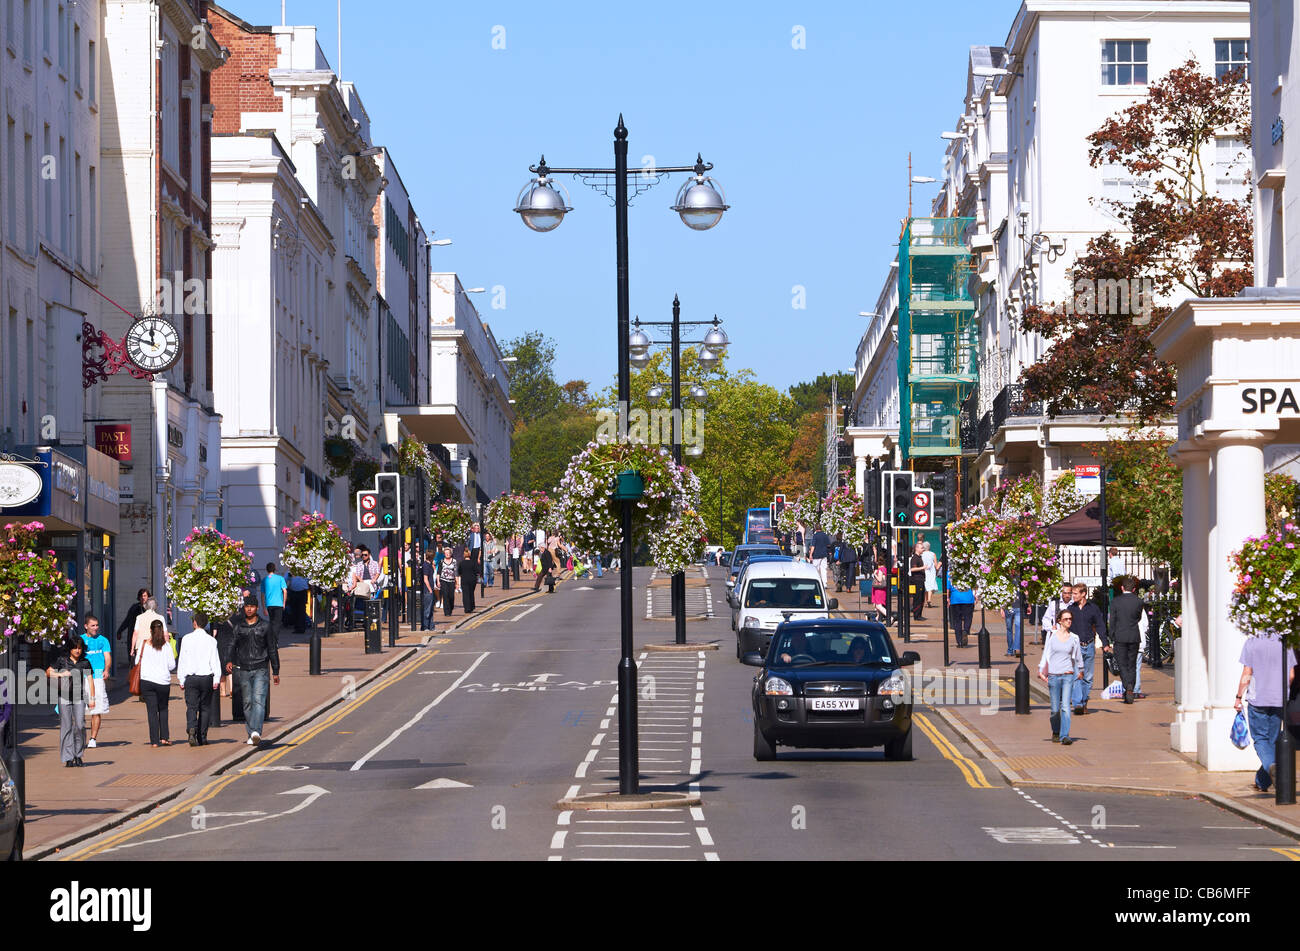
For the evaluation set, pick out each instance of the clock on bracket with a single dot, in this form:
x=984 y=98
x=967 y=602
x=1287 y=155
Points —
x=153 y=344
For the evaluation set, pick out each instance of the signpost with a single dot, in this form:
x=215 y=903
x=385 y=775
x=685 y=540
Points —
x=1087 y=479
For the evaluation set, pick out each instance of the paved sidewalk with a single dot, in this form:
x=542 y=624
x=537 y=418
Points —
x=124 y=776
x=1116 y=746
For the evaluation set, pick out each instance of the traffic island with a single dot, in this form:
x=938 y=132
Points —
x=613 y=800
x=688 y=646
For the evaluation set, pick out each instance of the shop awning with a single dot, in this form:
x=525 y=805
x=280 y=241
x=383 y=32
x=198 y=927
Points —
x=1082 y=527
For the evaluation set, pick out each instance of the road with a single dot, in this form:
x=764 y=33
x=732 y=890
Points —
x=463 y=752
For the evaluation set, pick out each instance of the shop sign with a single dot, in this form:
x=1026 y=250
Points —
x=115 y=441
x=19 y=484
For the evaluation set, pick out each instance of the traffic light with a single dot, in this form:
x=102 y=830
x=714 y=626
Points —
x=944 y=486
x=871 y=504
x=900 y=498
x=389 y=508
x=778 y=506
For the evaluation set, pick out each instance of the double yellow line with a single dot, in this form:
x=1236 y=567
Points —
x=1292 y=854
x=217 y=785
x=969 y=769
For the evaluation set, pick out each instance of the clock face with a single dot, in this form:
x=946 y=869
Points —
x=153 y=344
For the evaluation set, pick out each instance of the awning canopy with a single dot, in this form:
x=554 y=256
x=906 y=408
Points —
x=1082 y=528
x=438 y=423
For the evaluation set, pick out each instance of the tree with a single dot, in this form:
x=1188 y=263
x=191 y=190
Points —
x=813 y=397
x=532 y=379
x=1144 y=499
x=1182 y=238
x=540 y=451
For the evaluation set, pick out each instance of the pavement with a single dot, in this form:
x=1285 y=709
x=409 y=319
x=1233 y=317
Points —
x=1117 y=747
x=124 y=777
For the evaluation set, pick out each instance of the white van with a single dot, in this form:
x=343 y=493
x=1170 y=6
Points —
x=773 y=592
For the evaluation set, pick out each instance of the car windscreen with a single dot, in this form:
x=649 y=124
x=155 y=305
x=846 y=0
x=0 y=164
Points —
x=829 y=647
x=743 y=554
x=784 y=593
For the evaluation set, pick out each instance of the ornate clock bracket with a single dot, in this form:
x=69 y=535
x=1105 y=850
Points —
x=97 y=367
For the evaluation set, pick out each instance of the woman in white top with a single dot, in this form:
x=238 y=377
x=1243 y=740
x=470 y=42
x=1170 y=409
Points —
x=1062 y=662
x=156 y=662
x=931 y=562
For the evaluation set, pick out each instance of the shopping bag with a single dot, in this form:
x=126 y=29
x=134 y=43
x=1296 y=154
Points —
x=1239 y=734
x=1114 y=691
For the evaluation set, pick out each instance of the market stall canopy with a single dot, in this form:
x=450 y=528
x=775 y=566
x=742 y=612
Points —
x=1081 y=528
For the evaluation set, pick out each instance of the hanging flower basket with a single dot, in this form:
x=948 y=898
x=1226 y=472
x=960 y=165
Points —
x=590 y=518
x=414 y=459
x=509 y=515
x=1266 y=598
x=842 y=514
x=1002 y=557
x=211 y=573
x=545 y=513
x=315 y=549
x=339 y=455
x=362 y=474
x=451 y=521
x=35 y=596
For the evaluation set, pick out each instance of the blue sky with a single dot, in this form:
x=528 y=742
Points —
x=810 y=145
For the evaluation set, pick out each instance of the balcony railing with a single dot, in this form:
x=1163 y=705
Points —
x=1010 y=403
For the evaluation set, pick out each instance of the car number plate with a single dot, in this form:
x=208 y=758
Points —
x=835 y=703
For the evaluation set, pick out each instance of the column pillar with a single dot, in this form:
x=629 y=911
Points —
x=1191 y=669
x=860 y=475
x=1238 y=486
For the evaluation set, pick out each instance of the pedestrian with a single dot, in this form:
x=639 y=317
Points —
x=880 y=592
x=143 y=625
x=296 y=609
x=363 y=582
x=1089 y=626
x=1054 y=609
x=198 y=670
x=1062 y=661
x=818 y=549
x=501 y=563
x=545 y=571
x=255 y=647
x=127 y=627
x=931 y=562
x=1125 y=613
x=514 y=557
x=916 y=582
x=157 y=661
x=491 y=549
x=848 y=560
x=76 y=683
x=99 y=653
x=1260 y=685
x=1114 y=568
x=961 y=609
x=447 y=574
x=468 y=571
x=273 y=592
x=429 y=585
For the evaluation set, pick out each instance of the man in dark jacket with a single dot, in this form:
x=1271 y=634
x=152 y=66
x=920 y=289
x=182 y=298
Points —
x=468 y=570
x=848 y=561
x=255 y=646
x=1125 y=612
x=1089 y=624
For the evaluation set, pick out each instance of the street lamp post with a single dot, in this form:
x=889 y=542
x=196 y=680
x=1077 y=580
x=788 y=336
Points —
x=13 y=758
x=700 y=207
x=712 y=347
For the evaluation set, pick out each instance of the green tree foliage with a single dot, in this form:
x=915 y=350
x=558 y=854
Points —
x=532 y=378
x=1144 y=502
x=540 y=451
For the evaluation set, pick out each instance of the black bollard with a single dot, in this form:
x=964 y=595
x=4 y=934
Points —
x=1284 y=789
x=374 y=631
x=1022 y=672
x=313 y=645
x=982 y=638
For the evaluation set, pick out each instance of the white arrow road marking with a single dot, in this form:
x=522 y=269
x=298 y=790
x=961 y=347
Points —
x=542 y=678
x=273 y=769
x=584 y=588
x=444 y=784
x=311 y=792
x=419 y=716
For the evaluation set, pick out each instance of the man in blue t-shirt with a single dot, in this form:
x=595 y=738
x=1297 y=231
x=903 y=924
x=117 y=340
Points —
x=273 y=588
x=961 y=608
x=100 y=654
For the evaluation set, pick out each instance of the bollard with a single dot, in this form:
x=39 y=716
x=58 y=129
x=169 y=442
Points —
x=374 y=632
x=313 y=653
x=983 y=640
x=1022 y=672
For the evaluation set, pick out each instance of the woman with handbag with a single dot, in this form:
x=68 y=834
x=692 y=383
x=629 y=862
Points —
x=156 y=660
x=143 y=624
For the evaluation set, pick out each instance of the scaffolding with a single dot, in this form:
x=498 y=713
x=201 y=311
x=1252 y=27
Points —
x=938 y=335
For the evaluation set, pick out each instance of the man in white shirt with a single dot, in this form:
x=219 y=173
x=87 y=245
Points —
x=198 y=668
x=1054 y=609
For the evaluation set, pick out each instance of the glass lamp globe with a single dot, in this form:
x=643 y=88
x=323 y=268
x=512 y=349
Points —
x=655 y=393
x=698 y=393
x=639 y=360
x=708 y=358
x=716 y=340
x=541 y=206
x=700 y=204
x=638 y=342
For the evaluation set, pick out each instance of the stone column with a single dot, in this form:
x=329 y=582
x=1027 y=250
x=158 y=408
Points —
x=860 y=475
x=1238 y=486
x=1191 y=669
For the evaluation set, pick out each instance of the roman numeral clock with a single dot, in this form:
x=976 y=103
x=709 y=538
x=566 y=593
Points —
x=153 y=344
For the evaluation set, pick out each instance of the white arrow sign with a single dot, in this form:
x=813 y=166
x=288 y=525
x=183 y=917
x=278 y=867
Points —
x=444 y=784
x=542 y=678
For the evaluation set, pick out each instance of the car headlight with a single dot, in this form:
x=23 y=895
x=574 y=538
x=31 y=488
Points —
x=750 y=621
x=776 y=687
x=894 y=686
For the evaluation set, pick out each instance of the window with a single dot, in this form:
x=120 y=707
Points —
x=1231 y=55
x=64 y=205
x=12 y=173
x=47 y=186
x=45 y=26
x=29 y=191
x=1232 y=166
x=1119 y=186
x=27 y=31
x=11 y=21
x=1124 y=63
x=76 y=56
x=92 y=75
x=63 y=41
x=77 y=211
x=92 y=265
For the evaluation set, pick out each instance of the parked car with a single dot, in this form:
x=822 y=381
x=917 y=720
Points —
x=743 y=552
x=11 y=818
x=774 y=592
x=832 y=683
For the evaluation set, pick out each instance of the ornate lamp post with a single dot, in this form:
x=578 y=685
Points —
x=542 y=207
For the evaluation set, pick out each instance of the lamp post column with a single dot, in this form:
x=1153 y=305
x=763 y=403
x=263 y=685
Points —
x=628 y=759
x=679 y=577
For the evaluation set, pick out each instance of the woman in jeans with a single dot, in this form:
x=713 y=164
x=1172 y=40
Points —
x=156 y=662
x=1062 y=662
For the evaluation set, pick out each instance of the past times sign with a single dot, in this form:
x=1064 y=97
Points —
x=1272 y=399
